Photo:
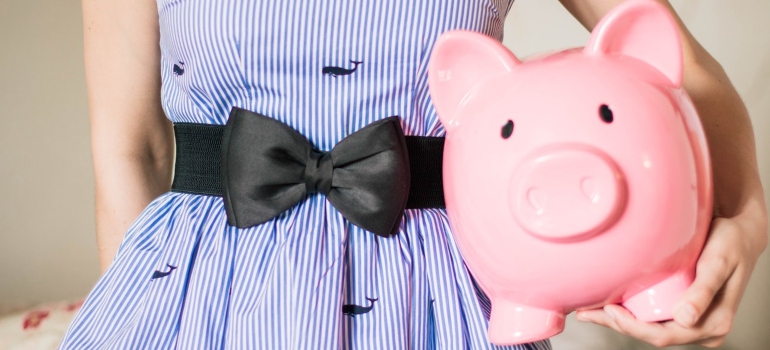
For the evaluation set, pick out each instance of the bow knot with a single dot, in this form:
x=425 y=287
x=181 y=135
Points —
x=268 y=167
x=319 y=172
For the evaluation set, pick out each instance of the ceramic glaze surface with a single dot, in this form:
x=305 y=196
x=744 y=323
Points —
x=576 y=179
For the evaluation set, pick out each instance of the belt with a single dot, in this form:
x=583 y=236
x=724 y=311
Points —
x=262 y=167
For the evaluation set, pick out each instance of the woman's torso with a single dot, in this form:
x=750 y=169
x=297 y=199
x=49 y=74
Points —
x=270 y=57
x=290 y=283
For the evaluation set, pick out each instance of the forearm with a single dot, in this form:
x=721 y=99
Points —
x=738 y=191
x=131 y=139
x=125 y=184
x=730 y=136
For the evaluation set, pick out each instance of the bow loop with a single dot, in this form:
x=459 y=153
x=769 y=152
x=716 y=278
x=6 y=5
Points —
x=268 y=167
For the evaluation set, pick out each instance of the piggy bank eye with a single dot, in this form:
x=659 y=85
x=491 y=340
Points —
x=507 y=129
x=606 y=114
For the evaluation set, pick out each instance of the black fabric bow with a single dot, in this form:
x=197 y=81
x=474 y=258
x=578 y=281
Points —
x=268 y=167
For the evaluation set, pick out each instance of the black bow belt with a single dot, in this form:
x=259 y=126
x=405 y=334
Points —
x=262 y=167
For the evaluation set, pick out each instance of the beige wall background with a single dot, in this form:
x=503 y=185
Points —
x=47 y=242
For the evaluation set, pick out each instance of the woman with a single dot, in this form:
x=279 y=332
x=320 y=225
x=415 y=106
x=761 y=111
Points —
x=183 y=278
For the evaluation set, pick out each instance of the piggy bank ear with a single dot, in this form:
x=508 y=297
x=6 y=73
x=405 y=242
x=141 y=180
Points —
x=642 y=29
x=459 y=61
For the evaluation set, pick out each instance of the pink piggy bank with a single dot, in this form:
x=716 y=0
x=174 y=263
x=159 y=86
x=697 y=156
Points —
x=576 y=179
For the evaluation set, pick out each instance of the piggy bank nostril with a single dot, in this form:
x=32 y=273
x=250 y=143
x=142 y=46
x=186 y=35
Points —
x=536 y=199
x=588 y=185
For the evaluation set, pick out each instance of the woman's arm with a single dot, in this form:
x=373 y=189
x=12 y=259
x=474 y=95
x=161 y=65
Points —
x=131 y=140
x=738 y=232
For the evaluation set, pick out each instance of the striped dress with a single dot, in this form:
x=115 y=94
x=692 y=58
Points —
x=307 y=279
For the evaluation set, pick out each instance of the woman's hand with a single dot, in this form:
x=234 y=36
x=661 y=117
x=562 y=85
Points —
x=738 y=232
x=706 y=311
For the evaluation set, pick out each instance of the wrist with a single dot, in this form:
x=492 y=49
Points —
x=752 y=224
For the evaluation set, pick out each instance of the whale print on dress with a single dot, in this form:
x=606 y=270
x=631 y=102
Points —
x=179 y=68
x=159 y=274
x=352 y=310
x=337 y=71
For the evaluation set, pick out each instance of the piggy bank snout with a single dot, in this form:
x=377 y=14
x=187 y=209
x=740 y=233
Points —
x=567 y=192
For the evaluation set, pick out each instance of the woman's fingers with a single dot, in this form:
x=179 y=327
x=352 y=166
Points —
x=716 y=264
x=657 y=334
x=707 y=309
x=597 y=316
x=710 y=331
x=622 y=321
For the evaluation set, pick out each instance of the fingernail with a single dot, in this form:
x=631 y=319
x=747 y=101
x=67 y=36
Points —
x=612 y=313
x=580 y=317
x=686 y=316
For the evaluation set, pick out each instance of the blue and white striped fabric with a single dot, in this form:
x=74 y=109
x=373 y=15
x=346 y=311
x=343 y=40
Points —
x=184 y=279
